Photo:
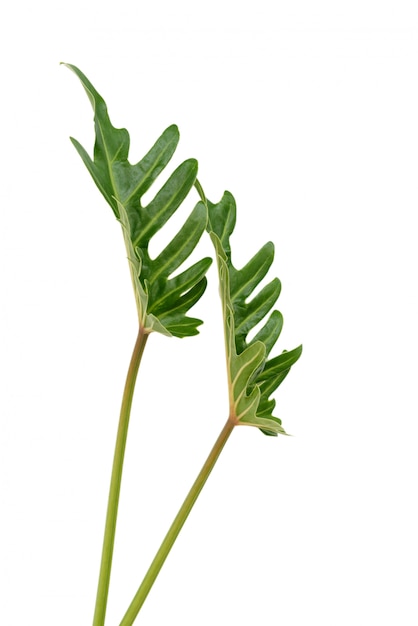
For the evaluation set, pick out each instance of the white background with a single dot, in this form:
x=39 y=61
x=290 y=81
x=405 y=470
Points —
x=308 y=112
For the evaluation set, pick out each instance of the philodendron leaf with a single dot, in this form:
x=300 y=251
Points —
x=162 y=299
x=252 y=377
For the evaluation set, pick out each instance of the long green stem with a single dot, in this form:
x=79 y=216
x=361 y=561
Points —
x=176 y=526
x=115 y=482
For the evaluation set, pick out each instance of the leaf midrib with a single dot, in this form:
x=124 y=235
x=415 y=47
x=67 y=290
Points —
x=108 y=160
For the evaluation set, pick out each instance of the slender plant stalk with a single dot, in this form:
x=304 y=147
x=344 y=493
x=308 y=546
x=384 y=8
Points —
x=176 y=526
x=115 y=482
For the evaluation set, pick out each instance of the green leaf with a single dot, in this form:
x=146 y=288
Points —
x=252 y=377
x=162 y=300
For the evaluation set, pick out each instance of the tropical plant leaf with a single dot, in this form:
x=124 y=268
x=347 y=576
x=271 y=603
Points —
x=252 y=377
x=162 y=299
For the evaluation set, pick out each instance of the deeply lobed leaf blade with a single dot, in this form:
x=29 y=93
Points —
x=162 y=302
x=252 y=378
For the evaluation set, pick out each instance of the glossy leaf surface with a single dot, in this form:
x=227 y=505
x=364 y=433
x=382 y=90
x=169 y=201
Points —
x=252 y=376
x=162 y=299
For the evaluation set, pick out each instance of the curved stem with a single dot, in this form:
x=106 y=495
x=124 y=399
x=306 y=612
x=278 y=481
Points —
x=115 y=482
x=176 y=526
